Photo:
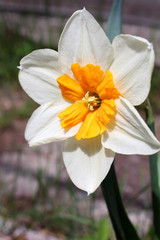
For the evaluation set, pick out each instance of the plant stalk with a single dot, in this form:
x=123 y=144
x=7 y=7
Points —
x=155 y=190
x=124 y=229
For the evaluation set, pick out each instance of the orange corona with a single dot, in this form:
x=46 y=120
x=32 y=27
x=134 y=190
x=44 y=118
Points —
x=93 y=96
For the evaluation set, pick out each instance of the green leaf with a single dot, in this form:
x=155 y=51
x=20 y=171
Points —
x=158 y=164
x=88 y=238
x=123 y=227
x=103 y=232
x=114 y=25
x=154 y=161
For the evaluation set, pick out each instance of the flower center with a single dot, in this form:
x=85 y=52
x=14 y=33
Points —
x=92 y=100
x=93 y=96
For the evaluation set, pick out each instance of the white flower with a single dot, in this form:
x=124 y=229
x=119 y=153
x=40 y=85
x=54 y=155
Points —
x=87 y=91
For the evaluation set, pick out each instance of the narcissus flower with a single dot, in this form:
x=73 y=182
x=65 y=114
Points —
x=87 y=92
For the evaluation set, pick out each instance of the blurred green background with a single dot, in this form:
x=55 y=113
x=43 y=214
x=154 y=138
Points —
x=37 y=199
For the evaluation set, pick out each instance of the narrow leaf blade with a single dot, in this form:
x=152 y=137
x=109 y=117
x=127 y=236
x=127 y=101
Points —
x=123 y=227
x=114 y=25
x=154 y=161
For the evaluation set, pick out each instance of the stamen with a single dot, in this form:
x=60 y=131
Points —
x=92 y=101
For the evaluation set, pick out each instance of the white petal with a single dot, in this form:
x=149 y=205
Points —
x=87 y=162
x=38 y=74
x=83 y=41
x=128 y=133
x=132 y=67
x=44 y=125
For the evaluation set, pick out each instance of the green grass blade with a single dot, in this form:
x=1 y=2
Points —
x=153 y=160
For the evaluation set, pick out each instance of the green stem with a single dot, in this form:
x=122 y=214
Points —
x=123 y=227
x=153 y=160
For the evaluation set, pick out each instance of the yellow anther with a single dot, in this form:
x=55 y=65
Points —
x=92 y=101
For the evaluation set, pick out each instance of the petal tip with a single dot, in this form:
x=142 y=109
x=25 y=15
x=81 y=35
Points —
x=19 y=67
x=30 y=144
x=34 y=144
x=82 y=11
x=90 y=192
x=150 y=46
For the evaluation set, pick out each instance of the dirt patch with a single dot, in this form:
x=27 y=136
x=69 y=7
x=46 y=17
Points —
x=13 y=137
